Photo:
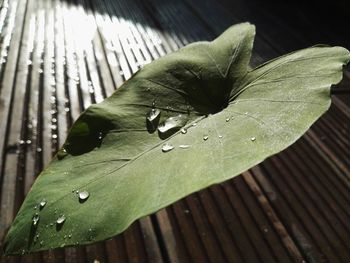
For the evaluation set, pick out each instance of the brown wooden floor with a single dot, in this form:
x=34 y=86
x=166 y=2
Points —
x=59 y=56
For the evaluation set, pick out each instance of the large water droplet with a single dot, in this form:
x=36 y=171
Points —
x=167 y=147
x=227 y=119
x=60 y=220
x=253 y=139
x=42 y=203
x=83 y=196
x=152 y=120
x=205 y=137
x=171 y=125
x=35 y=219
x=62 y=153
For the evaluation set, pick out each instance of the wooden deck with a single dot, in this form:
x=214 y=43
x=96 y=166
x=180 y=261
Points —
x=59 y=56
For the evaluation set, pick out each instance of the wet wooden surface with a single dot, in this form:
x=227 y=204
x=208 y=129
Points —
x=59 y=56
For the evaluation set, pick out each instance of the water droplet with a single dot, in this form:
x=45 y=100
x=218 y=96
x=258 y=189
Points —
x=227 y=119
x=205 y=137
x=35 y=219
x=62 y=153
x=83 y=196
x=184 y=146
x=54 y=136
x=42 y=203
x=28 y=141
x=69 y=236
x=38 y=150
x=152 y=119
x=60 y=220
x=100 y=135
x=51 y=224
x=220 y=136
x=246 y=113
x=253 y=139
x=153 y=114
x=194 y=124
x=22 y=142
x=172 y=124
x=183 y=131
x=167 y=147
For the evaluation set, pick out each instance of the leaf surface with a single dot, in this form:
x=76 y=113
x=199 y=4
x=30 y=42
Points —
x=220 y=120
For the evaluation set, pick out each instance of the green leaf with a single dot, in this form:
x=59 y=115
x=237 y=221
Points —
x=220 y=120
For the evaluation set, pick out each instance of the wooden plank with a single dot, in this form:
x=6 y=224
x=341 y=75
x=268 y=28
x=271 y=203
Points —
x=10 y=92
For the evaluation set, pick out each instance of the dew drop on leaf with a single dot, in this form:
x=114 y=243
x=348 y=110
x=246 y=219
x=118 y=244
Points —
x=205 y=137
x=227 y=119
x=83 y=196
x=172 y=124
x=184 y=146
x=42 y=203
x=61 y=220
x=152 y=119
x=253 y=139
x=220 y=136
x=183 y=131
x=62 y=153
x=35 y=219
x=167 y=147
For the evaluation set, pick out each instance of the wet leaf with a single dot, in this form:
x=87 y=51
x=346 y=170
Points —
x=234 y=119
